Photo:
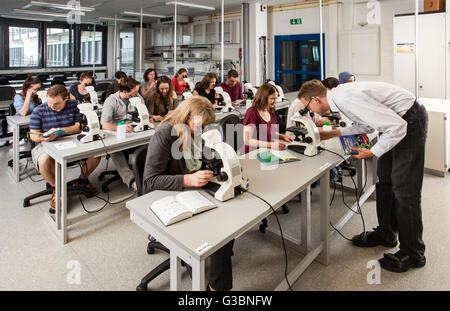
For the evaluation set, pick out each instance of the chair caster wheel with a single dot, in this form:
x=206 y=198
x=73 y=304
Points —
x=26 y=203
x=88 y=195
x=262 y=228
x=141 y=288
x=105 y=189
x=150 y=250
x=285 y=209
x=101 y=177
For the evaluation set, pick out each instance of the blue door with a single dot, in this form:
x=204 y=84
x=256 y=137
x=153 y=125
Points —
x=297 y=59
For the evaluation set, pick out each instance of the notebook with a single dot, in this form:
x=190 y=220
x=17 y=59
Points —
x=172 y=209
x=276 y=157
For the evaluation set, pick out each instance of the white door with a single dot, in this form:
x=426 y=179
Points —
x=447 y=43
x=432 y=56
x=404 y=59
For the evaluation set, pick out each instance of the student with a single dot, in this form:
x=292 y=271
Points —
x=116 y=109
x=206 y=88
x=114 y=86
x=163 y=100
x=345 y=77
x=297 y=105
x=260 y=119
x=58 y=112
x=149 y=84
x=402 y=124
x=178 y=82
x=78 y=92
x=25 y=102
x=232 y=86
x=330 y=82
x=165 y=170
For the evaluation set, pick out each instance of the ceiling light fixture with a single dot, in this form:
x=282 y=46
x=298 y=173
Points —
x=28 y=18
x=143 y=14
x=60 y=6
x=191 y=5
x=43 y=13
x=118 y=19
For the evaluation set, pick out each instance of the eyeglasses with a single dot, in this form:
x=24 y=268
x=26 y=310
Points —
x=184 y=76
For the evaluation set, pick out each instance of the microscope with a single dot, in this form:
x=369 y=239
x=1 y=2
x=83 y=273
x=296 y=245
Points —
x=280 y=91
x=224 y=162
x=90 y=125
x=340 y=119
x=140 y=116
x=188 y=91
x=42 y=96
x=226 y=99
x=250 y=91
x=306 y=129
x=93 y=95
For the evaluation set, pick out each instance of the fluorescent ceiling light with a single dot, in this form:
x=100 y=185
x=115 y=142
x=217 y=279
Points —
x=29 y=18
x=43 y=13
x=143 y=14
x=61 y=6
x=118 y=19
x=191 y=5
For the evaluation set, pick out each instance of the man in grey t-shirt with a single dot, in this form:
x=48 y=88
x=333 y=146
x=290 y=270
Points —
x=116 y=109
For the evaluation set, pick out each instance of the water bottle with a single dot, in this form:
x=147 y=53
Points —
x=327 y=126
x=121 y=130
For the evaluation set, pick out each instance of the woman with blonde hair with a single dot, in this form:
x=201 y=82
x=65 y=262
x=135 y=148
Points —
x=174 y=162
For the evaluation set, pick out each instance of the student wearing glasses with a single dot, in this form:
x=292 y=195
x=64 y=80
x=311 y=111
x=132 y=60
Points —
x=260 y=122
x=165 y=169
x=163 y=100
x=178 y=82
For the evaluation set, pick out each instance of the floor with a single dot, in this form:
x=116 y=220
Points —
x=108 y=252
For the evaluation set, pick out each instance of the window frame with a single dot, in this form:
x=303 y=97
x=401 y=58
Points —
x=74 y=42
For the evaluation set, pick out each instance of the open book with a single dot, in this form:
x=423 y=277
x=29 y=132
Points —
x=184 y=205
x=276 y=157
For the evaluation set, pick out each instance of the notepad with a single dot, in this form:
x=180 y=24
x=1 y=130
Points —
x=355 y=141
x=276 y=157
x=173 y=209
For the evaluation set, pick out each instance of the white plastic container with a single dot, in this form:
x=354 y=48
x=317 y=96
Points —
x=248 y=103
x=121 y=131
x=327 y=127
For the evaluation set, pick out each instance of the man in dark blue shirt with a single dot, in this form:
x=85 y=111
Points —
x=58 y=112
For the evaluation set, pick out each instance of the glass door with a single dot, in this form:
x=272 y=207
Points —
x=297 y=60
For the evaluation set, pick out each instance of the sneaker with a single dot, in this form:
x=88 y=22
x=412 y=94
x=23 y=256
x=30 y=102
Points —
x=132 y=185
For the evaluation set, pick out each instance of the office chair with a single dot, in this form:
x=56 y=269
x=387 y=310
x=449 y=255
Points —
x=59 y=80
x=137 y=160
x=21 y=76
x=7 y=93
x=102 y=87
x=113 y=173
x=43 y=78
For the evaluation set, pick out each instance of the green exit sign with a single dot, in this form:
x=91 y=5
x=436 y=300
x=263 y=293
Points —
x=104 y=23
x=296 y=21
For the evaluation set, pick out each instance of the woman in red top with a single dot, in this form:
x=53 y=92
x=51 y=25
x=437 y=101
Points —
x=178 y=81
x=260 y=122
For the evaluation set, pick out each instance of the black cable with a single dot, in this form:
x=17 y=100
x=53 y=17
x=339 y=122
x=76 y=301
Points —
x=281 y=233
x=356 y=195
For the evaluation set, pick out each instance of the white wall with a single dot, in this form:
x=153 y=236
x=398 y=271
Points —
x=340 y=18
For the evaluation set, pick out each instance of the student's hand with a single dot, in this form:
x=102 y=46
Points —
x=50 y=138
x=278 y=145
x=363 y=153
x=129 y=128
x=287 y=138
x=324 y=135
x=30 y=93
x=157 y=118
x=197 y=179
x=233 y=104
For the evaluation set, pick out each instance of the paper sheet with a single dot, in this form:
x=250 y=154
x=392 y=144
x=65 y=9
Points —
x=65 y=145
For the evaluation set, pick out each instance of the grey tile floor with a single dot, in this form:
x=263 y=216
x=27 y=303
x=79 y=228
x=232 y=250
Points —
x=109 y=250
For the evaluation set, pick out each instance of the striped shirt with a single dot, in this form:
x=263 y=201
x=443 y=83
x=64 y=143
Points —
x=43 y=118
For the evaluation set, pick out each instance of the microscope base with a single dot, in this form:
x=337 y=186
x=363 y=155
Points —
x=211 y=188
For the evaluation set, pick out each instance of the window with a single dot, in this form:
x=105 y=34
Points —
x=23 y=47
x=59 y=39
x=91 y=47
